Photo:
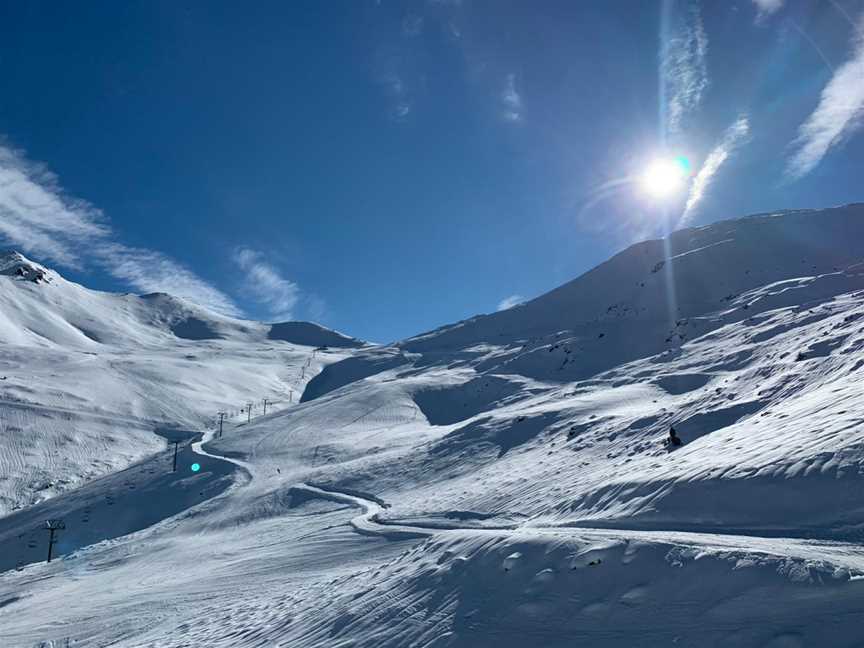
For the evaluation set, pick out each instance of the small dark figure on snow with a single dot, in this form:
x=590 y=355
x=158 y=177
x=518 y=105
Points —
x=674 y=440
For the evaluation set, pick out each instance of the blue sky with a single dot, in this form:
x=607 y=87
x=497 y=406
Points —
x=388 y=167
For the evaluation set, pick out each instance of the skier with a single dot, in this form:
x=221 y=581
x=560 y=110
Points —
x=674 y=440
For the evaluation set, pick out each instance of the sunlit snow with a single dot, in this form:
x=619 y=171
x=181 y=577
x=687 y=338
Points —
x=502 y=481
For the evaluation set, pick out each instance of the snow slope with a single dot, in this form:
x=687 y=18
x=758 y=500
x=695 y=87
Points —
x=86 y=376
x=504 y=481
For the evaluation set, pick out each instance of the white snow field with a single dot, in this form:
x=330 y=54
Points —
x=500 y=482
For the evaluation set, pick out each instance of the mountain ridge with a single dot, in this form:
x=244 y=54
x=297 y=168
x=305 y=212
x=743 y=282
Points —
x=64 y=316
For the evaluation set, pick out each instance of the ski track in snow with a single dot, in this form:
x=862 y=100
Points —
x=843 y=554
x=599 y=543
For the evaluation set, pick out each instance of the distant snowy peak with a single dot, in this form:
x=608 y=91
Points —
x=311 y=334
x=189 y=321
x=161 y=297
x=16 y=265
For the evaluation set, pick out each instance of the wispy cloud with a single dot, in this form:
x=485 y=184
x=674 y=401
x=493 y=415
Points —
x=736 y=135
x=401 y=55
x=839 y=114
x=266 y=284
x=510 y=302
x=316 y=308
x=511 y=100
x=768 y=7
x=151 y=271
x=684 y=69
x=412 y=25
x=37 y=216
x=399 y=98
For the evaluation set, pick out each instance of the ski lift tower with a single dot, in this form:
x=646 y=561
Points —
x=52 y=527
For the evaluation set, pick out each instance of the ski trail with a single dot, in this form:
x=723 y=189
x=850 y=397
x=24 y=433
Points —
x=300 y=391
x=206 y=437
x=848 y=555
x=367 y=522
x=145 y=486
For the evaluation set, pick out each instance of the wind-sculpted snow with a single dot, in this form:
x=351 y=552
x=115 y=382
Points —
x=483 y=589
x=504 y=481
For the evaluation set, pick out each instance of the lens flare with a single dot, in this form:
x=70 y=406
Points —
x=684 y=164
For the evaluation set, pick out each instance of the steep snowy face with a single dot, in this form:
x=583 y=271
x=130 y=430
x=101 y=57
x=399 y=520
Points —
x=657 y=294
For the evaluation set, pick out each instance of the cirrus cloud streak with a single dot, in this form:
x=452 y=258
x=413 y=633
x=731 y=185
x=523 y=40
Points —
x=838 y=116
x=40 y=218
x=734 y=137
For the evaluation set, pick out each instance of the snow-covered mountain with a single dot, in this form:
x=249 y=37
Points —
x=40 y=308
x=86 y=376
x=502 y=481
x=657 y=294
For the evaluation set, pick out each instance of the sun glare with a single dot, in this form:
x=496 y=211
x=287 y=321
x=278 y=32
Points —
x=665 y=176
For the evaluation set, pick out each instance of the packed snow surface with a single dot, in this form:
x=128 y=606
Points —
x=503 y=481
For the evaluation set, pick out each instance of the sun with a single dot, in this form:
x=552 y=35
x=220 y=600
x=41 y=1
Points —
x=664 y=177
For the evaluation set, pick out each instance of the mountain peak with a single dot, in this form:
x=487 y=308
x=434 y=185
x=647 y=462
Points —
x=15 y=264
x=12 y=256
